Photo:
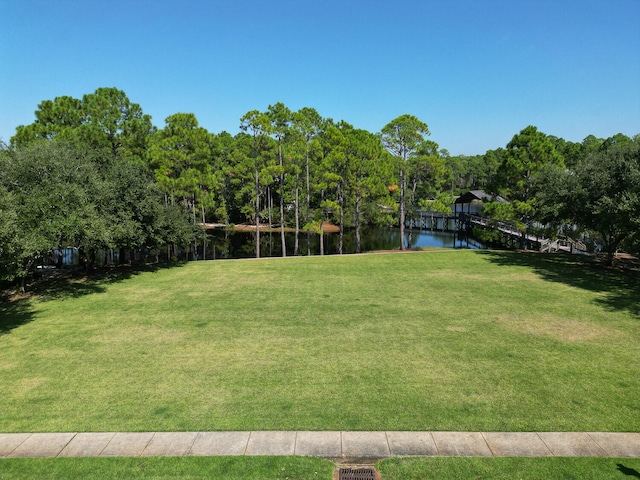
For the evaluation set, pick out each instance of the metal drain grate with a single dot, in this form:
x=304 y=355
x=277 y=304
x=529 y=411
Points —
x=357 y=474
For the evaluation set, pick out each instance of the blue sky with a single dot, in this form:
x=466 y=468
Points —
x=476 y=71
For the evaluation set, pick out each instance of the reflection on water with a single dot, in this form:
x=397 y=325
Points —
x=223 y=244
x=231 y=244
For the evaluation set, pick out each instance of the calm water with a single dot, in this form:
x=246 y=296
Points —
x=225 y=244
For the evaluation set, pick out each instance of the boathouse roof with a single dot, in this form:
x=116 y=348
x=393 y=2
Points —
x=481 y=195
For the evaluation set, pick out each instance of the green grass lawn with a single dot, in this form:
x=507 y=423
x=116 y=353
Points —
x=543 y=468
x=301 y=468
x=168 y=468
x=440 y=340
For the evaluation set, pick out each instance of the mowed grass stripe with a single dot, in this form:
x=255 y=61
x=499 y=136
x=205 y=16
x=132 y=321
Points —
x=247 y=467
x=450 y=340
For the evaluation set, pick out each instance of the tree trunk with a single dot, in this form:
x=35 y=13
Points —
x=257 y=211
x=59 y=257
x=357 y=221
x=403 y=191
x=341 y=202
x=270 y=205
x=295 y=246
x=412 y=200
x=23 y=278
x=611 y=244
x=282 y=237
x=204 y=237
x=308 y=203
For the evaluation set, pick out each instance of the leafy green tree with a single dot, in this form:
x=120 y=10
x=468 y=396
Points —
x=336 y=173
x=309 y=124
x=57 y=195
x=112 y=121
x=225 y=156
x=551 y=187
x=402 y=137
x=56 y=119
x=492 y=159
x=600 y=194
x=472 y=172
x=135 y=214
x=295 y=157
x=370 y=172
x=619 y=139
x=456 y=171
x=103 y=119
x=590 y=144
x=356 y=174
x=50 y=187
x=181 y=158
x=426 y=174
x=603 y=194
x=571 y=152
x=279 y=122
x=9 y=239
x=257 y=125
x=246 y=189
x=528 y=154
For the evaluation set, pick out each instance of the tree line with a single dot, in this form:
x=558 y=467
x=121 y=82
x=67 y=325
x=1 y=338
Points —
x=581 y=190
x=94 y=173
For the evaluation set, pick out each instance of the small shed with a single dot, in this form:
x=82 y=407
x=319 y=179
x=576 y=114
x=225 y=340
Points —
x=475 y=200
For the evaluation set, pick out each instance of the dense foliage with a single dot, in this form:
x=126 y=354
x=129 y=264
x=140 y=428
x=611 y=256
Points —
x=95 y=174
x=599 y=196
x=58 y=194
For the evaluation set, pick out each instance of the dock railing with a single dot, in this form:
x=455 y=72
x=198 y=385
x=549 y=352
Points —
x=562 y=244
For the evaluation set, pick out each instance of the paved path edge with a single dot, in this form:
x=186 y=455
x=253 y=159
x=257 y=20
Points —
x=338 y=445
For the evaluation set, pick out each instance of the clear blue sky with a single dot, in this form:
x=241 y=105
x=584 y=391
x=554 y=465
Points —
x=476 y=71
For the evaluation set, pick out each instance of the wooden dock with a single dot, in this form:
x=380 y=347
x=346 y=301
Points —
x=510 y=235
x=434 y=222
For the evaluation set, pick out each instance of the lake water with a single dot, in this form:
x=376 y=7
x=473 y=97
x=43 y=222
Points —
x=222 y=244
x=229 y=244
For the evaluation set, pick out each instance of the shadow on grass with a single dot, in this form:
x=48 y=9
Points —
x=620 y=289
x=78 y=283
x=14 y=313
x=18 y=310
x=628 y=471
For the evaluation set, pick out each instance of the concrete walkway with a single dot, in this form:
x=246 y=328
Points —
x=340 y=446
